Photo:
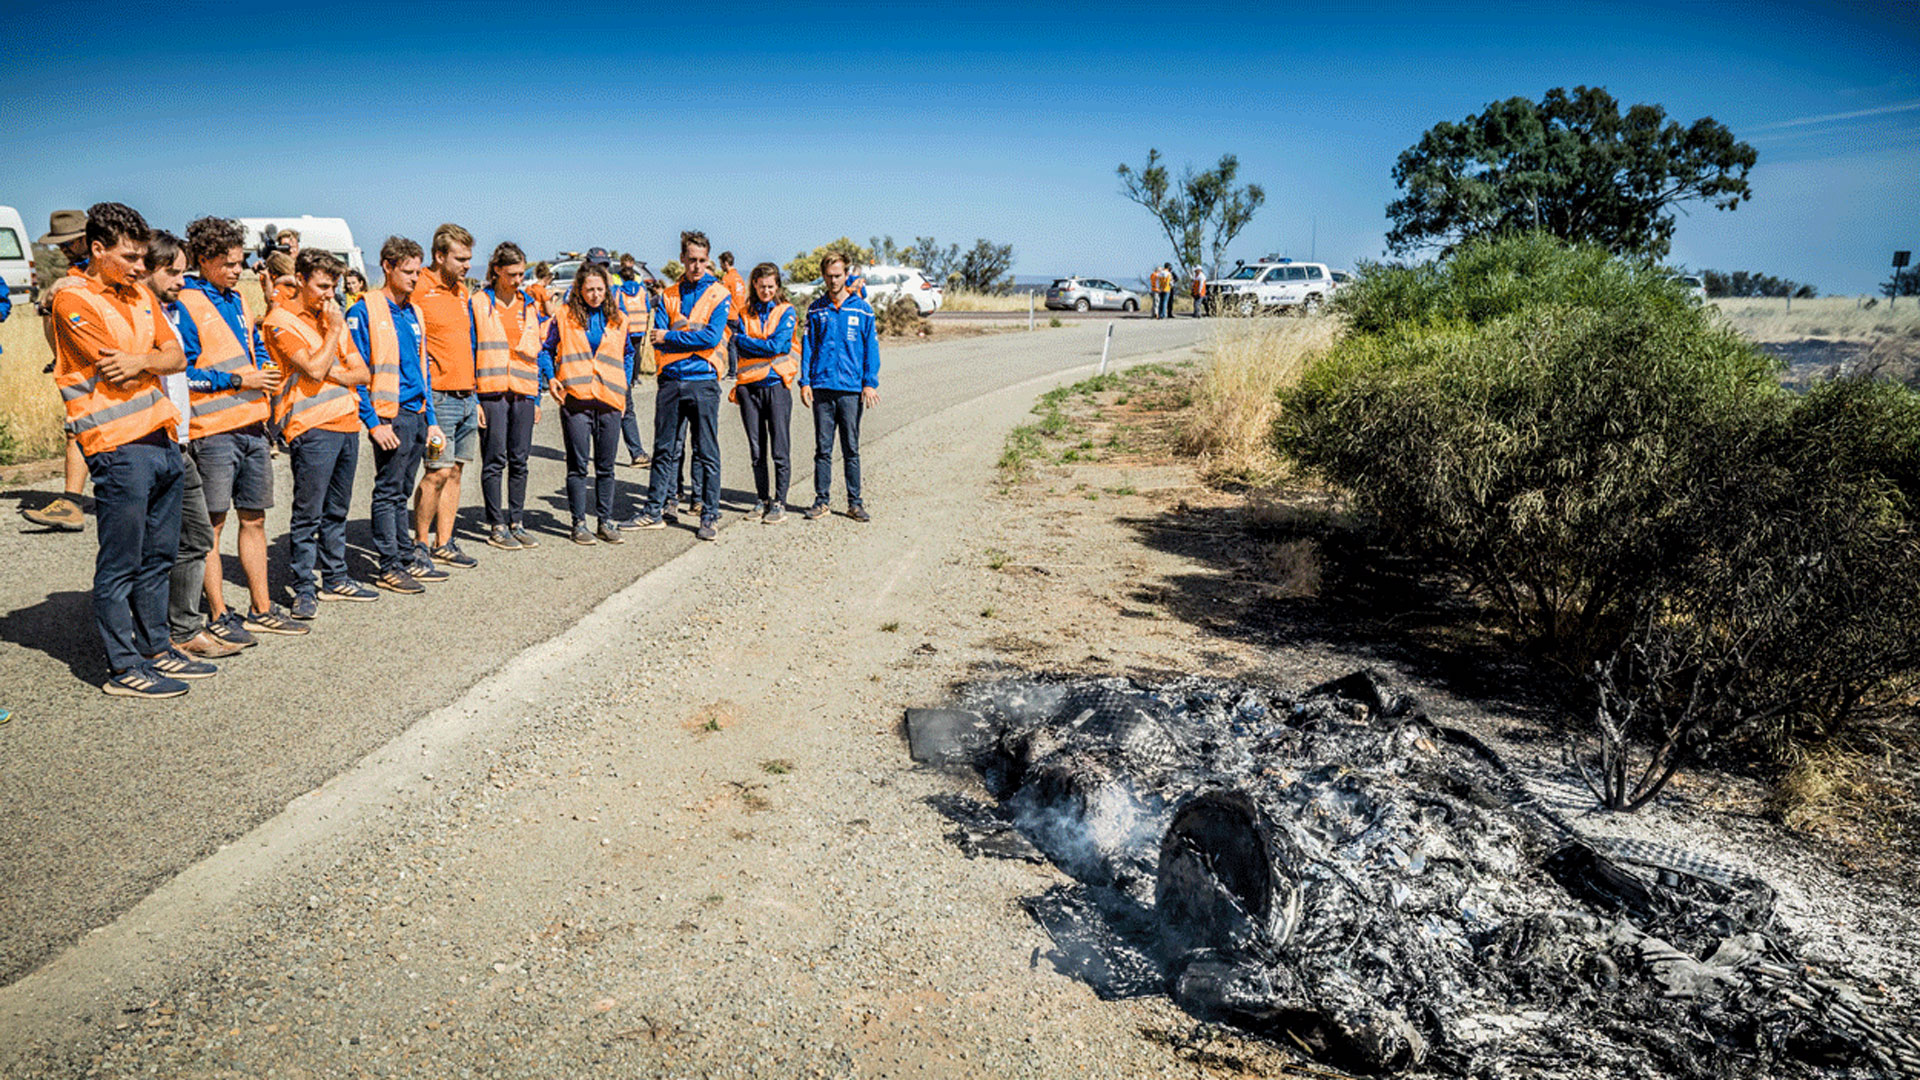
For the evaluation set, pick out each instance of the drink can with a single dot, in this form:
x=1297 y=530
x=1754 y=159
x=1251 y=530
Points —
x=436 y=443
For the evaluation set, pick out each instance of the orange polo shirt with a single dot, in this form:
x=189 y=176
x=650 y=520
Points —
x=449 y=328
x=282 y=344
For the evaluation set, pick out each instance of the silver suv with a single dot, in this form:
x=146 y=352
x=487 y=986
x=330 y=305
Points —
x=1273 y=286
x=1085 y=294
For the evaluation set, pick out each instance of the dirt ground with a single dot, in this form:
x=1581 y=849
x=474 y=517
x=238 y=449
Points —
x=708 y=854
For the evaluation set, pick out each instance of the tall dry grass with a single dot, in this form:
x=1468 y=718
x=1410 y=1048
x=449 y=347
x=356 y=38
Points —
x=30 y=412
x=1237 y=400
x=1841 y=317
x=963 y=300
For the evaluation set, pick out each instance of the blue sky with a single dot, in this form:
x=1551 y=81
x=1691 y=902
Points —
x=776 y=129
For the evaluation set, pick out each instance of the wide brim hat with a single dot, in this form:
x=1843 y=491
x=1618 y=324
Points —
x=64 y=225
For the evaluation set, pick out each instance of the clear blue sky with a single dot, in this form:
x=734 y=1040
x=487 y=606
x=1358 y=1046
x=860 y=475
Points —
x=776 y=129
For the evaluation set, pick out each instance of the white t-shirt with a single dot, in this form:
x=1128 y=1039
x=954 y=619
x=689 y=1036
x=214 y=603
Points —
x=176 y=383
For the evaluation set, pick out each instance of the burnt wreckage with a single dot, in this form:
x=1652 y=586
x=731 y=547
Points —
x=1341 y=874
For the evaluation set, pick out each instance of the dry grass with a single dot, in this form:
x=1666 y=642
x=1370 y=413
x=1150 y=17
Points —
x=1834 y=317
x=962 y=300
x=1230 y=426
x=30 y=411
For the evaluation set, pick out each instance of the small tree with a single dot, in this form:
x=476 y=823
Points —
x=1571 y=164
x=1200 y=212
x=805 y=266
x=987 y=268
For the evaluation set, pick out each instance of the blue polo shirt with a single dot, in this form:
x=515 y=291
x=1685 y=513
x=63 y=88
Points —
x=779 y=343
x=231 y=308
x=413 y=368
x=709 y=336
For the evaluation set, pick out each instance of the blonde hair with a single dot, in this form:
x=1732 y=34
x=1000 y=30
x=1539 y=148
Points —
x=448 y=235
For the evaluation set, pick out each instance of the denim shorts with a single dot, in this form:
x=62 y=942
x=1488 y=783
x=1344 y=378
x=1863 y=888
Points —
x=235 y=470
x=459 y=420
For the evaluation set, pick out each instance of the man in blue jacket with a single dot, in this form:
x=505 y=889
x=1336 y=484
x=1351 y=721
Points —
x=840 y=380
x=689 y=331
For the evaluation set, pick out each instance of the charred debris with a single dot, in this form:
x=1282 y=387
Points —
x=1342 y=875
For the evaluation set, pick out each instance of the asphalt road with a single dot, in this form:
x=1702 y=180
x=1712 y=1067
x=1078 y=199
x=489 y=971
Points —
x=107 y=798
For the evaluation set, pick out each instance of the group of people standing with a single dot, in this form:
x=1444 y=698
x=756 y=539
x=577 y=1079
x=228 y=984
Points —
x=176 y=396
x=1161 y=284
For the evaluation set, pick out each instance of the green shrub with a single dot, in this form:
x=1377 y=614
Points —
x=1624 y=480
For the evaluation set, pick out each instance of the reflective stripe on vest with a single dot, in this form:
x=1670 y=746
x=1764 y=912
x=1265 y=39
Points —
x=587 y=374
x=218 y=411
x=384 y=340
x=634 y=307
x=703 y=309
x=501 y=366
x=754 y=369
x=308 y=402
x=101 y=415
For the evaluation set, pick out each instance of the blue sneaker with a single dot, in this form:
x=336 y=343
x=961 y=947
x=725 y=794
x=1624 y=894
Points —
x=141 y=681
x=645 y=521
x=304 y=607
x=227 y=626
x=174 y=664
x=451 y=554
x=708 y=529
x=423 y=571
x=349 y=590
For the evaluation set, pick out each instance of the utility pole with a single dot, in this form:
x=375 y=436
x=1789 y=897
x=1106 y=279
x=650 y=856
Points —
x=1900 y=259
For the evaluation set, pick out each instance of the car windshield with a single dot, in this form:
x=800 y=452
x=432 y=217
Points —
x=1245 y=273
x=1063 y=283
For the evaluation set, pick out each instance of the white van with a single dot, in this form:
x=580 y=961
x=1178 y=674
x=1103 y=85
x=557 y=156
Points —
x=330 y=233
x=16 y=251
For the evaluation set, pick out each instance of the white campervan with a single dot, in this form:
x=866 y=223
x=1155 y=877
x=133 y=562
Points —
x=330 y=233
x=16 y=251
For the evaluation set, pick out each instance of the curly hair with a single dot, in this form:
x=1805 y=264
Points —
x=210 y=238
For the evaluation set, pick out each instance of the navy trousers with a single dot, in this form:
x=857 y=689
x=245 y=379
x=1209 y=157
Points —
x=392 y=485
x=836 y=412
x=323 y=466
x=766 y=409
x=136 y=493
x=591 y=432
x=505 y=446
x=697 y=402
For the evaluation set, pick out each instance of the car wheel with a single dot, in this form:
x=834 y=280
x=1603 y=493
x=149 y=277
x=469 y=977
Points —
x=1130 y=306
x=1311 y=307
x=1249 y=305
x=1082 y=305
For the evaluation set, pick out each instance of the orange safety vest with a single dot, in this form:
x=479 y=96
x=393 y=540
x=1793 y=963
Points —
x=502 y=366
x=634 y=307
x=703 y=309
x=1199 y=286
x=101 y=415
x=384 y=364
x=219 y=411
x=587 y=374
x=754 y=369
x=307 y=402
x=736 y=288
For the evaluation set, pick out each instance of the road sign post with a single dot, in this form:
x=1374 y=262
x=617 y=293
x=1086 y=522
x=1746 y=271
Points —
x=1900 y=259
x=1105 y=348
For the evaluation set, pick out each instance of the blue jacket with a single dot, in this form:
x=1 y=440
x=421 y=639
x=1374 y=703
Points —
x=6 y=306
x=842 y=350
x=596 y=329
x=413 y=374
x=710 y=336
x=231 y=308
x=778 y=344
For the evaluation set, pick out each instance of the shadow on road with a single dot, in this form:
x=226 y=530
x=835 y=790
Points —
x=62 y=627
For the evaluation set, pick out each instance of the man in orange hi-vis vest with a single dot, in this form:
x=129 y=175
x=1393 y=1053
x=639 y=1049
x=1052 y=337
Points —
x=111 y=346
x=320 y=413
x=689 y=330
x=1197 y=285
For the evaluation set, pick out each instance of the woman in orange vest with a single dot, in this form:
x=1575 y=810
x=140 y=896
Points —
x=506 y=328
x=769 y=343
x=584 y=361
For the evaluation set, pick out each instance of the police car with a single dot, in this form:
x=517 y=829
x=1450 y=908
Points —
x=1273 y=284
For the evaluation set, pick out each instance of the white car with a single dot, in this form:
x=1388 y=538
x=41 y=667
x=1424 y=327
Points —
x=1085 y=294
x=885 y=284
x=1273 y=286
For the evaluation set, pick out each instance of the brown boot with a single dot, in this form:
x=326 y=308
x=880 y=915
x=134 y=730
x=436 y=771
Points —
x=206 y=646
x=62 y=513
